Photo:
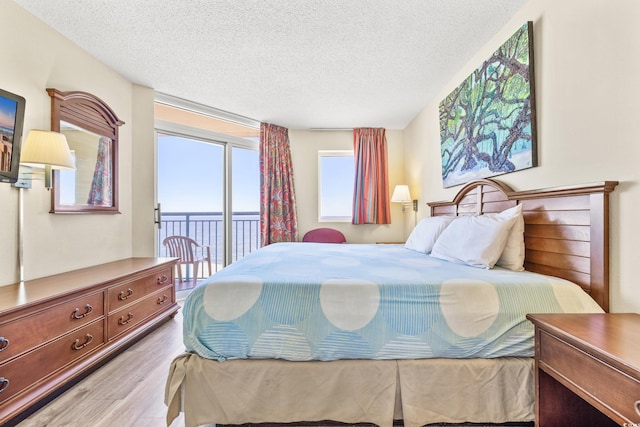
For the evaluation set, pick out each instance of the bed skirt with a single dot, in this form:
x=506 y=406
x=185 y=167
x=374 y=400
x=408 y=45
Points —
x=350 y=391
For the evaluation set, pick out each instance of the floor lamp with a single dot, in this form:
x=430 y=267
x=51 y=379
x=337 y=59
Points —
x=41 y=149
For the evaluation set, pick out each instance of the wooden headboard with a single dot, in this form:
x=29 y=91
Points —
x=566 y=228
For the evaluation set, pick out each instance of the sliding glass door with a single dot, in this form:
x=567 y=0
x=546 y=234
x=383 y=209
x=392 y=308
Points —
x=191 y=193
x=209 y=191
x=208 y=183
x=245 y=201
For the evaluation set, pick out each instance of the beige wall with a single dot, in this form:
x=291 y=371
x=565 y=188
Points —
x=35 y=57
x=587 y=59
x=304 y=153
x=143 y=231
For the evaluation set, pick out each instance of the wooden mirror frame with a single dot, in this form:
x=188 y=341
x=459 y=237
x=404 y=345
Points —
x=88 y=112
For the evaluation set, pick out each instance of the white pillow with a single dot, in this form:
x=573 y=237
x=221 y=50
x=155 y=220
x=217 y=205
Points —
x=425 y=234
x=477 y=241
x=512 y=256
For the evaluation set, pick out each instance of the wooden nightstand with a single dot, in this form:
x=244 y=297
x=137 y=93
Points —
x=587 y=369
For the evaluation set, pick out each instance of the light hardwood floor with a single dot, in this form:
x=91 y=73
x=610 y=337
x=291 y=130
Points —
x=126 y=392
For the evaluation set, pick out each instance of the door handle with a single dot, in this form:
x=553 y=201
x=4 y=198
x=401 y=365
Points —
x=158 y=215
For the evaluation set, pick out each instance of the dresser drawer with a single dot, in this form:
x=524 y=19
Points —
x=132 y=315
x=35 y=329
x=119 y=296
x=602 y=385
x=30 y=368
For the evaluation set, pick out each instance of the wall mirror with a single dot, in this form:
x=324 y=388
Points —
x=91 y=129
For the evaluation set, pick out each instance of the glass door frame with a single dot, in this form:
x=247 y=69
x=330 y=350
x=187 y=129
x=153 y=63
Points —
x=227 y=142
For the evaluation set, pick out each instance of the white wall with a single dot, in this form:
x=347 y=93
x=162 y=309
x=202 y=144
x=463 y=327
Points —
x=34 y=57
x=587 y=71
x=304 y=155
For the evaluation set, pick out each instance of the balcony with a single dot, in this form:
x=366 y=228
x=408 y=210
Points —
x=206 y=228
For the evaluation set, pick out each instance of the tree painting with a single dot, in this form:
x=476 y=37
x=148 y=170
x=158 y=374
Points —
x=487 y=124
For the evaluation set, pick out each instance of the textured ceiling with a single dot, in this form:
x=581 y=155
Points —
x=297 y=63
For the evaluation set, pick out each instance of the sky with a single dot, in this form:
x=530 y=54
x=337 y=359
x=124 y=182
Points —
x=7 y=112
x=190 y=176
x=336 y=186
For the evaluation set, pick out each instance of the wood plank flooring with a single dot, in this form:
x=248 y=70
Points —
x=126 y=392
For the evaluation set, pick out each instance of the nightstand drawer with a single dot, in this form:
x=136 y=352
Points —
x=608 y=389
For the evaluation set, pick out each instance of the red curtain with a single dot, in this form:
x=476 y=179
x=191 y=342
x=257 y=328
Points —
x=278 y=221
x=371 y=189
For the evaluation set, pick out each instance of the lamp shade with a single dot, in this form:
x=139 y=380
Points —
x=46 y=148
x=401 y=194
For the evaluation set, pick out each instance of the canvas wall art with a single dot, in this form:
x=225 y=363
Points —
x=487 y=124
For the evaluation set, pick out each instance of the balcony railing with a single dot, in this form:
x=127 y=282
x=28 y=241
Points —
x=206 y=229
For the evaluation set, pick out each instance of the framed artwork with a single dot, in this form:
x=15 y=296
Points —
x=487 y=124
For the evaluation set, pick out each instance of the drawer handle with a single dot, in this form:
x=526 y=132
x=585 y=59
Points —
x=162 y=279
x=637 y=406
x=87 y=340
x=163 y=299
x=4 y=343
x=88 y=309
x=122 y=296
x=4 y=384
x=124 y=321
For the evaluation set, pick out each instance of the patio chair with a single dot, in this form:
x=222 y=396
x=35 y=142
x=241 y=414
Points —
x=324 y=235
x=190 y=252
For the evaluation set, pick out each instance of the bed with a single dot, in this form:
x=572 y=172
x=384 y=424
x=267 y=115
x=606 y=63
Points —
x=377 y=333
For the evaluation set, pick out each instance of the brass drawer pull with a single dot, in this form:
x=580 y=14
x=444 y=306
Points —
x=87 y=340
x=4 y=343
x=162 y=279
x=88 y=309
x=4 y=384
x=122 y=296
x=124 y=321
x=637 y=406
x=163 y=299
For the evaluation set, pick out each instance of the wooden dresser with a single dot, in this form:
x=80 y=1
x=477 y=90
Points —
x=55 y=329
x=587 y=369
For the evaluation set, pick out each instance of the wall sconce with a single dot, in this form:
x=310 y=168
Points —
x=41 y=149
x=402 y=195
x=48 y=150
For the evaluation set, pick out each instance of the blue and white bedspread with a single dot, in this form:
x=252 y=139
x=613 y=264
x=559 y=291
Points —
x=315 y=301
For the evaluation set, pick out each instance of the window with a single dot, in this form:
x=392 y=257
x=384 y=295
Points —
x=335 y=185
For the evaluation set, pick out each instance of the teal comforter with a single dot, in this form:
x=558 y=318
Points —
x=318 y=301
